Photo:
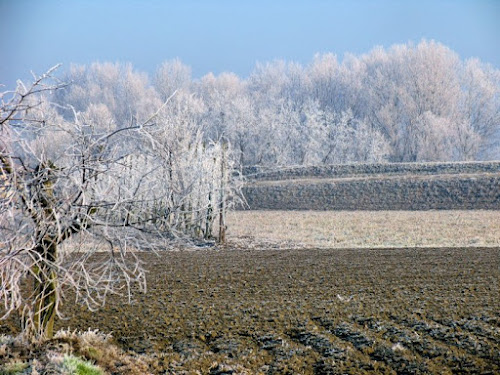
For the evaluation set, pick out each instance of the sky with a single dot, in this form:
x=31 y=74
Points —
x=217 y=36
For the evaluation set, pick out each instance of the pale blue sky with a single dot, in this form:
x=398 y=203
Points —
x=217 y=36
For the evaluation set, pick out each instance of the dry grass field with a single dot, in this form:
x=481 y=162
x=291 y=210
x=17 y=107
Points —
x=364 y=229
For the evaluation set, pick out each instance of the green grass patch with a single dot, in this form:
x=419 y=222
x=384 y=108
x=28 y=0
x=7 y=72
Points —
x=13 y=368
x=78 y=366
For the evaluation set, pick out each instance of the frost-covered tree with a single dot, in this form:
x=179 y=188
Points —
x=422 y=95
x=171 y=76
x=278 y=82
x=337 y=138
x=61 y=194
x=219 y=95
x=324 y=76
x=410 y=102
x=125 y=93
x=80 y=198
x=406 y=82
x=478 y=119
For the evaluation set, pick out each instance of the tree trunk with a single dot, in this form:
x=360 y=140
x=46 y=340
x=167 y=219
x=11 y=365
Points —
x=209 y=218
x=45 y=284
x=45 y=290
x=222 y=202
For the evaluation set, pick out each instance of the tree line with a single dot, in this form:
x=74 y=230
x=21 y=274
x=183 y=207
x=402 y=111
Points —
x=403 y=104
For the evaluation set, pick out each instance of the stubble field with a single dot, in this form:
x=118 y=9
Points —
x=365 y=229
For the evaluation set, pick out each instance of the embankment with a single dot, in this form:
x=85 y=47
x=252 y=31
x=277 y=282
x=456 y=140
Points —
x=403 y=186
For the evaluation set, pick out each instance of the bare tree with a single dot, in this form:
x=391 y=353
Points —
x=68 y=216
x=192 y=168
x=172 y=76
x=478 y=123
x=116 y=88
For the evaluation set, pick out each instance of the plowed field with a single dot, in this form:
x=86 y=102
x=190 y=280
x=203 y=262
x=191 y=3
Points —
x=404 y=311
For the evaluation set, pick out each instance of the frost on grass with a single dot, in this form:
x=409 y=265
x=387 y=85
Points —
x=69 y=352
x=75 y=365
x=364 y=229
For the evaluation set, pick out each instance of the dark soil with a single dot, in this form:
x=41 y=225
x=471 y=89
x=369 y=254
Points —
x=408 y=311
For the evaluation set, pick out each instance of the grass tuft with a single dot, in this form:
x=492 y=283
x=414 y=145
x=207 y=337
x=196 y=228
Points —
x=15 y=368
x=77 y=366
